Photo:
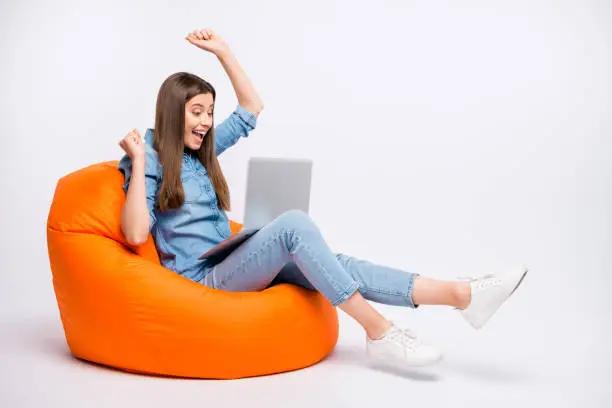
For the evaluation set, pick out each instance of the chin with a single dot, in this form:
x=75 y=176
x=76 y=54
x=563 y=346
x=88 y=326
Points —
x=194 y=147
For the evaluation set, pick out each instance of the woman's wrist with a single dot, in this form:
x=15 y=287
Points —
x=223 y=52
x=138 y=161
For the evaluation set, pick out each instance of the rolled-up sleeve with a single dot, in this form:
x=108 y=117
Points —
x=237 y=125
x=151 y=181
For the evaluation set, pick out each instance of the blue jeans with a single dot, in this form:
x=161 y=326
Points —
x=291 y=249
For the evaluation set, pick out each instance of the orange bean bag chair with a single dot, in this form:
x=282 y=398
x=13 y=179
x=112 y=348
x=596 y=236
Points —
x=120 y=307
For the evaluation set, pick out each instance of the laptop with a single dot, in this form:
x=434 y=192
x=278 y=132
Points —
x=274 y=185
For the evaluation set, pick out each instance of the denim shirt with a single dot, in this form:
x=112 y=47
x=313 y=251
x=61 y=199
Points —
x=181 y=235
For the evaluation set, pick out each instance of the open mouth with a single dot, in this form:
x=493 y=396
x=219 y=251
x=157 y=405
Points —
x=199 y=135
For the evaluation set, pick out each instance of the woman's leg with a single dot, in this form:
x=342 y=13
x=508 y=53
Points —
x=391 y=286
x=355 y=306
x=293 y=236
x=429 y=291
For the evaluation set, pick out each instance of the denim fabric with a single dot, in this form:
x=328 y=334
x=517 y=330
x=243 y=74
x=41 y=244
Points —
x=291 y=249
x=182 y=235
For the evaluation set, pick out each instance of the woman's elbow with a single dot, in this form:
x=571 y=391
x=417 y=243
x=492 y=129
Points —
x=136 y=238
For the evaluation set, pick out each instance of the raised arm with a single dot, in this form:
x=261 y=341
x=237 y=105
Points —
x=245 y=92
x=212 y=42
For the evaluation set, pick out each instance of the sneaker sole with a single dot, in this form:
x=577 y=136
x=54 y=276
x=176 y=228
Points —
x=519 y=282
x=402 y=363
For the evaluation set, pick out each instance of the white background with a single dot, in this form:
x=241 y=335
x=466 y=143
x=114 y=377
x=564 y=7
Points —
x=448 y=138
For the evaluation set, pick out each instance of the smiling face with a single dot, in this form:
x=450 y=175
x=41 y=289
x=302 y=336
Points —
x=198 y=119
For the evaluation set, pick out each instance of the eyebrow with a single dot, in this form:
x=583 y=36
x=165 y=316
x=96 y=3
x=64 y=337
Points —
x=199 y=104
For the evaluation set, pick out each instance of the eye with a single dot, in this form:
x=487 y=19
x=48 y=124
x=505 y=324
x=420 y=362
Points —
x=196 y=113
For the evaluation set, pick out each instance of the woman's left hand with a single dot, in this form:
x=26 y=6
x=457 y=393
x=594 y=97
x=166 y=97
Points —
x=207 y=40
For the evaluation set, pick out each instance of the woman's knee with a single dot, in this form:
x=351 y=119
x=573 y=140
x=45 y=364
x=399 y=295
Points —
x=295 y=220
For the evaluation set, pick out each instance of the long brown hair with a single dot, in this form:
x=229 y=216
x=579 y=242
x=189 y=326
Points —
x=168 y=140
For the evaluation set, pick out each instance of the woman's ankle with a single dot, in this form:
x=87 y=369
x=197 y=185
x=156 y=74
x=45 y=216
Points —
x=462 y=295
x=376 y=332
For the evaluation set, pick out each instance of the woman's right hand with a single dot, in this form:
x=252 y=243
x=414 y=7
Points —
x=133 y=145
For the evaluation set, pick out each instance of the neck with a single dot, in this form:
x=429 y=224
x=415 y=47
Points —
x=190 y=151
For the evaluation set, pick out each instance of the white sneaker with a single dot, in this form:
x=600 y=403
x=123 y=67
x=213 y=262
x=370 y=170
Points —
x=489 y=292
x=401 y=346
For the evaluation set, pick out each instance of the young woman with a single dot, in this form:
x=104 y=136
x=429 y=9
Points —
x=176 y=190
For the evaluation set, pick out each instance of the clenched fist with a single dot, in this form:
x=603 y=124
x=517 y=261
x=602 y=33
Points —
x=133 y=145
x=207 y=40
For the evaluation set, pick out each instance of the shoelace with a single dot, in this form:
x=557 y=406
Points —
x=405 y=337
x=483 y=281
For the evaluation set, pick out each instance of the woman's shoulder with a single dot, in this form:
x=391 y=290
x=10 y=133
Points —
x=148 y=141
x=152 y=163
x=151 y=154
